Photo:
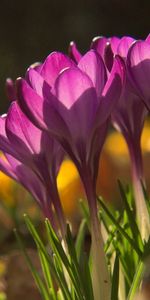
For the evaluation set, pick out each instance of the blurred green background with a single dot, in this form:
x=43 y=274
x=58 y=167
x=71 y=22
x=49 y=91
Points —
x=29 y=30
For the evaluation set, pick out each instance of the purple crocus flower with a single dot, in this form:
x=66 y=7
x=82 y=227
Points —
x=138 y=64
x=73 y=103
x=32 y=154
x=128 y=117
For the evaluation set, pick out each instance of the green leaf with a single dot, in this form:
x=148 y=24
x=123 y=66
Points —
x=56 y=244
x=47 y=274
x=136 y=281
x=71 y=266
x=79 y=245
x=131 y=218
x=59 y=279
x=74 y=263
x=122 y=231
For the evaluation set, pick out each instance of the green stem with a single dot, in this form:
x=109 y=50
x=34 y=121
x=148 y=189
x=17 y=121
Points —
x=53 y=193
x=137 y=176
x=100 y=275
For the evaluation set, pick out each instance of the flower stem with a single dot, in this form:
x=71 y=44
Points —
x=48 y=213
x=53 y=192
x=100 y=275
x=60 y=215
x=137 y=176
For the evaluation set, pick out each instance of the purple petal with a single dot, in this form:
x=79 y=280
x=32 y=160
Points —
x=42 y=112
x=4 y=142
x=99 y=44
x=36 y=66
x=70 y=85
x=15 y=133
x=129 y=114
x=124 y=46
x=6 y=168
x=148 y=39
x=10 y=89
x=74 y=52
x=114 y=42
x=78 y=101
x=52 y=152
x=37 y=82
x=53 y=65
x=112 y=90
x=26 y=177
x=138 y=62
x=31 y=103
x=28 y=129
x=92 y=64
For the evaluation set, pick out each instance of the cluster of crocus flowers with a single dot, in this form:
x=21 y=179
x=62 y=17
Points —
x=63 y=106
x=73 y=103
x=129 y=114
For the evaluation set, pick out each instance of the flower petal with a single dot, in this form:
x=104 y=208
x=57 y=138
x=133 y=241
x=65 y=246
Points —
x=37 y=82
x=99 y=44
x=70 y=85
x=112 y=90
x=10 y=89
x=77 y=101
x=148 y=39
x=4 y=142
x=92 y=64
x=138 y=62
x=42 y=112
x=114 y=41
x=6 y=168
x=31 y=103
x=28 y=129
x=15 y=133
x=124 y=46
x=74 y=52
x=53 y=65
x=26 y=177
x=129 y=114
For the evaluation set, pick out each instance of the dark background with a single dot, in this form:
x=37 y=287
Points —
x=30 y=30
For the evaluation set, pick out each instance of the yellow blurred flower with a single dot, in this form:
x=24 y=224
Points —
x=7 y=187
x=145 y=140
x=116 y=144
x=69 y=186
